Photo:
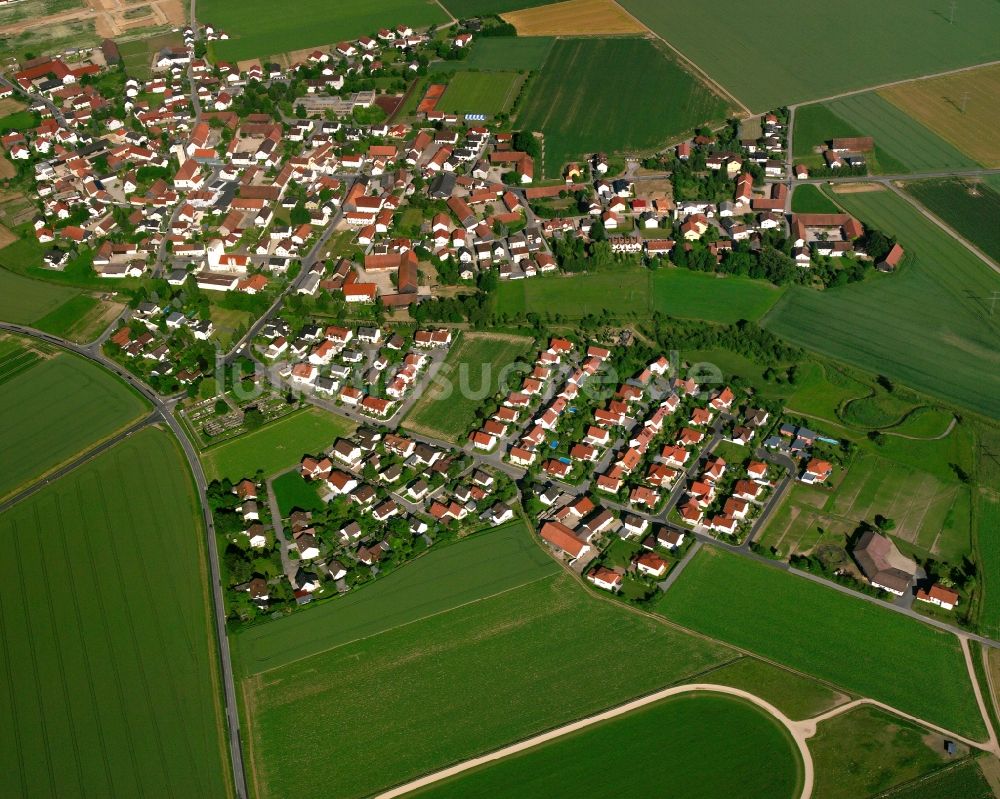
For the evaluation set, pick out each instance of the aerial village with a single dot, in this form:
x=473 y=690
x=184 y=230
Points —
x=236 y=187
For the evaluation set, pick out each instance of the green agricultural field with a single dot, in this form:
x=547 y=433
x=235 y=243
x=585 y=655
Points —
x=24 y=301
x=700 y=295
x=841 y=639
x=809 y=199
x=970 y=208
x=275 y=446
x=987 y=510
x=902 y=144
x=58 y=408
x=109 y=656
x=866 y=751
x=489 y=93
x=455 y=683
x=635 y=293
x=258 y=28
x=907 y=141
x=478 y=365
x=796 y=696
x=761 y=758
x=587 y=99
x=462 y=9
x=502 y=53
x=623 y=292
x=486 y=565
x=940 y=300
x=824 y=53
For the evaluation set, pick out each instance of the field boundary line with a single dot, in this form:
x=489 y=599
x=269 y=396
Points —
x=99 y=596
x=60 y=662
x=407 y=623
x=876 y=87
x=88 y=663
x=701 y=73
x=945 y=227
x=793 y=728
x=131 y=625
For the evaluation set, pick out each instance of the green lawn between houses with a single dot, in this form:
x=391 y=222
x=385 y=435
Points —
x=928 y=326
x=815 y=629
x=823 y=52
x=808 y=199
x=258 y=28
x=699 y=732
x=275 y=446
x=109 y=656
x=476 y=366
x=55 y=409
x=587 y=99
x=474 y=645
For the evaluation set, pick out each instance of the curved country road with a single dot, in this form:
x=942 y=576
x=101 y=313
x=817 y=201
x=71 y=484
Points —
x=798 y=730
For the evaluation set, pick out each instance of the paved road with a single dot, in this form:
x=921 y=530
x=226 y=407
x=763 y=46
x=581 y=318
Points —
x=307 y=262
x=163 y=411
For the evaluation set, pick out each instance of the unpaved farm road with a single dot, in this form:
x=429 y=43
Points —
x=799 y=731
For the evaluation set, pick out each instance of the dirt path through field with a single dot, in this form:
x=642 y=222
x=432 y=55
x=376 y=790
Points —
x=796 y=729
x=109 y=16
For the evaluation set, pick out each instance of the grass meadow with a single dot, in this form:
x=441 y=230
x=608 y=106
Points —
x=455 y=683
x=589 y=98
x=475 y=367
x=987 y=510
x=275 y=446
x=970 y=208
x=815 y=629
x=57 y=408
x=701 y=295
x=796 y=696
x=808 y=199
x=928 y=326
x=960 y=108
x=637 y=293
x=503 y=53
x=480 y=92
x=932 y=516
x=109 y=659
x=137 y=55
x=825 y=53
x=866 y=751
x=258 y=28
x=698 y=730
